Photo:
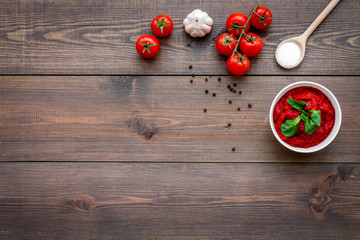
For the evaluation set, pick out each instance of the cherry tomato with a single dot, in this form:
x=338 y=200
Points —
x=235 y=23
x=239 y=64
x=262 y=18
x=162 y=25
x=226 y=43
x=147 y=46
x=251 y=44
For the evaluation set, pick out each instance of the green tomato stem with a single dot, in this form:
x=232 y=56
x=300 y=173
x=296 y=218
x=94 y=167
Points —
x=243 y=30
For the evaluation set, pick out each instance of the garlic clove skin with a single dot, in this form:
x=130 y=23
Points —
x=205 y=19
x=200 y=31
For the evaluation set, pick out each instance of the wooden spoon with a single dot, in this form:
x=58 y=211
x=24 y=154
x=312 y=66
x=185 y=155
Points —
x=300 y=41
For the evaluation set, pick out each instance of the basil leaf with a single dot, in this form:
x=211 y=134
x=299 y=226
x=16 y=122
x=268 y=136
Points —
x=302 y=104
x=297 y=105
x=304 y=116
x=316 y=116
x=289 y=127
x=310 y=126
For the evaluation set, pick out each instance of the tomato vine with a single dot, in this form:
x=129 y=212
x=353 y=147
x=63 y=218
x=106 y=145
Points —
x=243 y=29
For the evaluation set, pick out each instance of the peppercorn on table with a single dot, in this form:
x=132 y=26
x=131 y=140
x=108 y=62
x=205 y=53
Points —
x=99 y=143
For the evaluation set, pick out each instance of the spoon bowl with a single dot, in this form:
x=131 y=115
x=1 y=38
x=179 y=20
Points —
x=293 y=43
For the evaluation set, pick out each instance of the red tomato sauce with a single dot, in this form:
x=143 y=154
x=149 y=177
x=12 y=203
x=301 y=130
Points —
x=314 y=99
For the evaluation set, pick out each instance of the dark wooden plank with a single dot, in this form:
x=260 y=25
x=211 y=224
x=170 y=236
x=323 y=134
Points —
x=98 y=37
x=158 y=119
x=179 y=201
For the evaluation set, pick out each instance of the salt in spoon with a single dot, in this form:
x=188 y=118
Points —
x=296 y=46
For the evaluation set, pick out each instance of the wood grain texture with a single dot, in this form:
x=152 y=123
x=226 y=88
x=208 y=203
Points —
x=179 y=201
x=158 y=119
x=98 y=37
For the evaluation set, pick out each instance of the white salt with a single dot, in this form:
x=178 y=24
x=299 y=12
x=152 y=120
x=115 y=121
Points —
x=288 y=54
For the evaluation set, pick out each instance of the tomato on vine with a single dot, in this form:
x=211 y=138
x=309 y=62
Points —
x=147 y=46
x=226 y=43
x=251 y=44
x=235 y=23
x=262 y=18
x=238 y=64
x=162 y=25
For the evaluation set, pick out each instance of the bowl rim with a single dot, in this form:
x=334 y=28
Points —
x=334 y=102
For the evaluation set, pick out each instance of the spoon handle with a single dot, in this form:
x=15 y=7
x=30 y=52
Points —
x=319 y=19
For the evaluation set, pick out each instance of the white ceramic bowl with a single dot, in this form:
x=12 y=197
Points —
x=335 y=104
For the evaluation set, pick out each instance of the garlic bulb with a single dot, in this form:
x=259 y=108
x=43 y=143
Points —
x=198 y=23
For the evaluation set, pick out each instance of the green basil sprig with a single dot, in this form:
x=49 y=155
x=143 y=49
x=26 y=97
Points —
x=289 y=127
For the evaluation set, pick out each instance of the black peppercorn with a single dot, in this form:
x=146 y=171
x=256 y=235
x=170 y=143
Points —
x=239 y=92
x=238 y=109
x=234 y=91
x=206 y=79
x=205 y=110
x=235 y=84
x=233 y=149
x=191 y=81
x=190 y=66
x=231 y=89
x=230 y=102
x=228 y=86
x=206 y=91
x=214 y=94
x=219 y=79
x=249 y=105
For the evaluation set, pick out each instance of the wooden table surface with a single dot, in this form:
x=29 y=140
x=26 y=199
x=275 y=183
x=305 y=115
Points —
x=98 y=143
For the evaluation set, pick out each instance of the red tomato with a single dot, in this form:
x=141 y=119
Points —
x=251 y=44
x=226 y=43
x=262 y=18
x=162 y=25
x=235 y=23
x=147 y=46
x=239 y=64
